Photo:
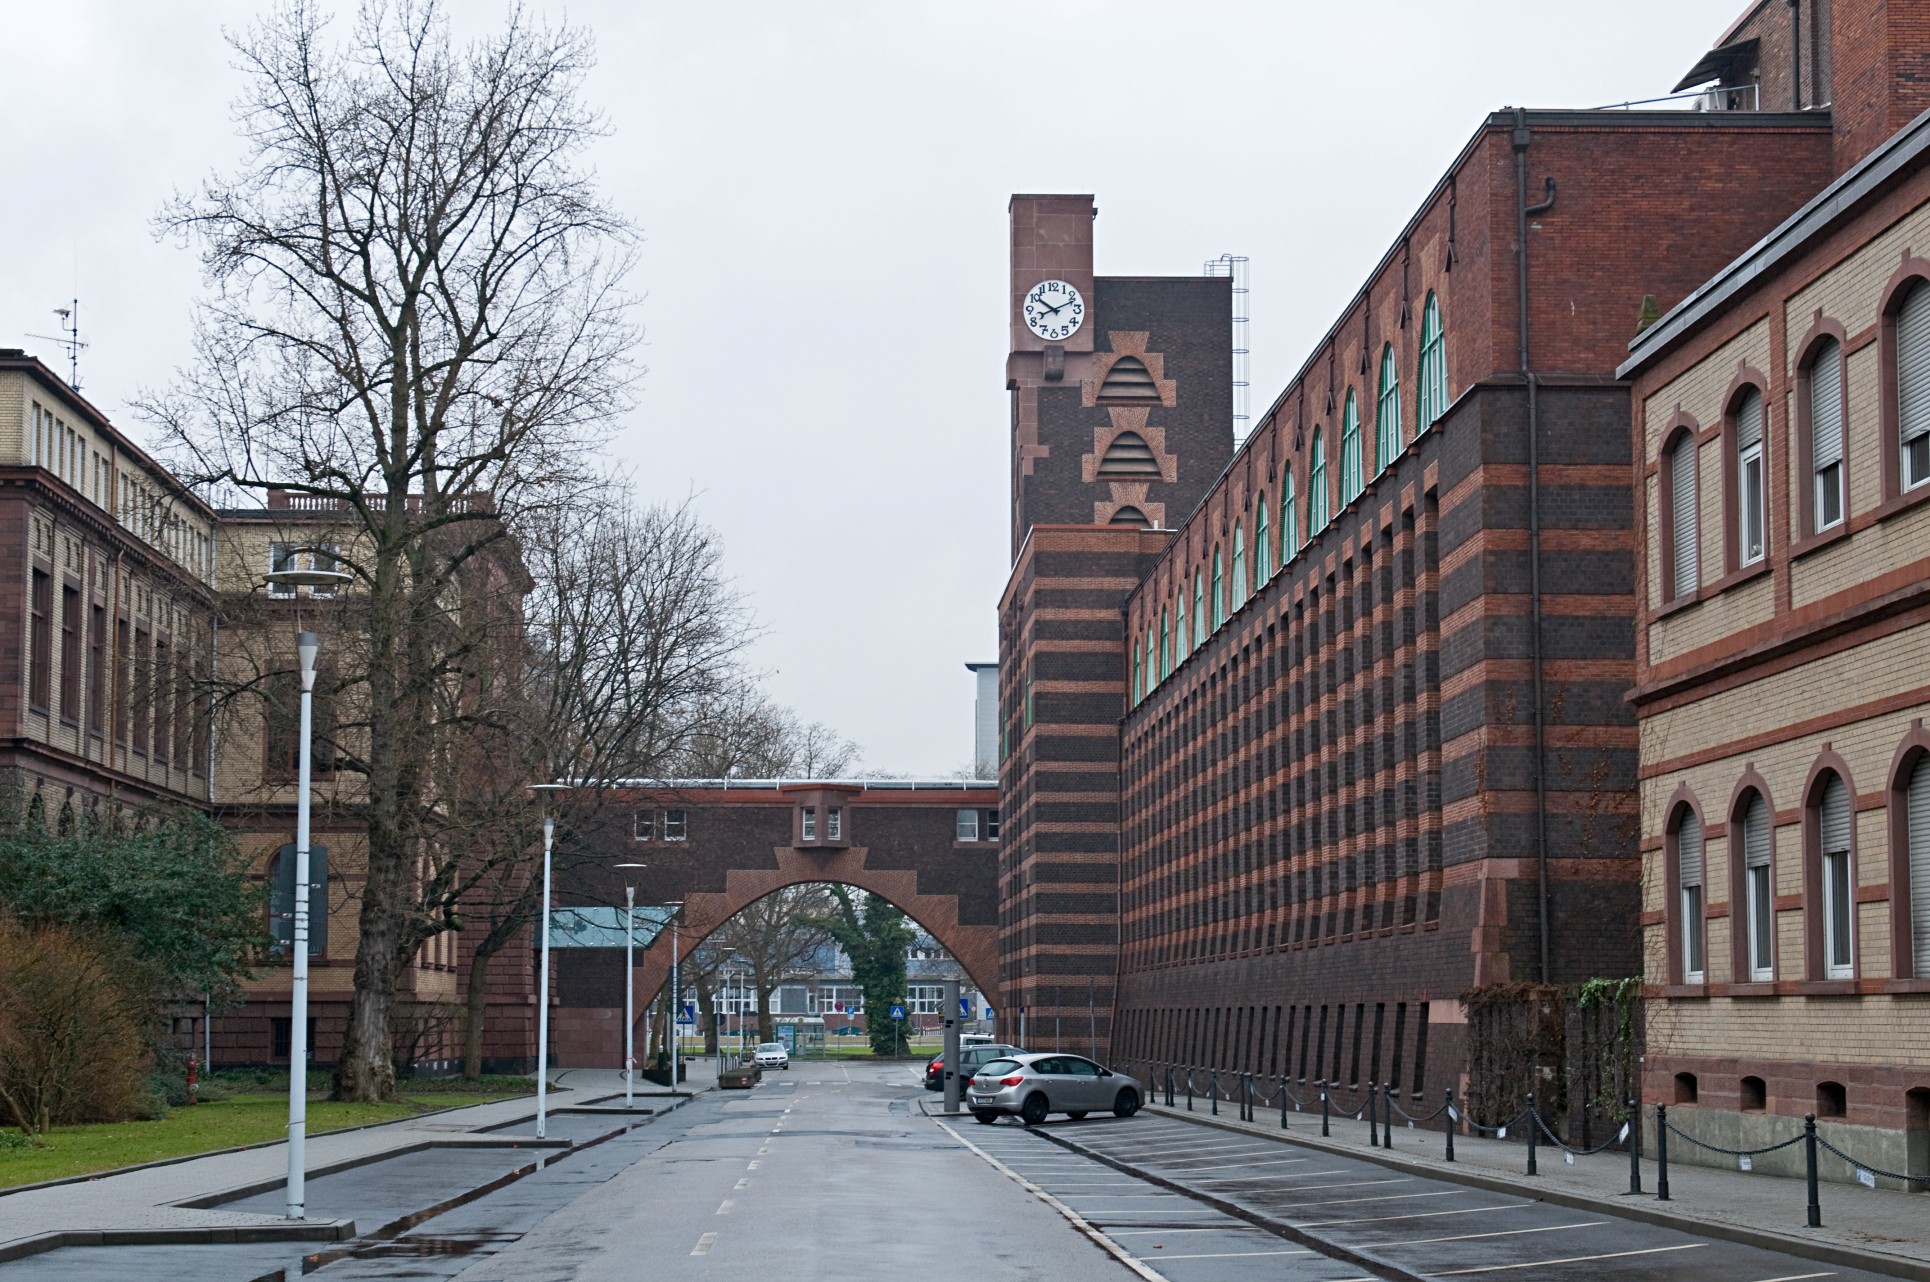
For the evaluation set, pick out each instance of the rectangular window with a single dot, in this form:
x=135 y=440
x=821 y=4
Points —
x=1759 y=891
x=1688 y=850
x=968 y=825
x=810 y=823
x=1826 y=433
x=281 y=556
x=183 y=710
x=162 y=692
x=1838 y=904
x=40 y=677
x=97 y=670
x=123 y=706
x=324 y=558
x=673 y=825
x=834 y=824
x=70 y=664
x=1683 y=531
x=991 y=825
x=643 y=825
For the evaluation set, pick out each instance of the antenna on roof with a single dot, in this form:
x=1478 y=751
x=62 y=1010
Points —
x=1235 y=266
x=69 y=339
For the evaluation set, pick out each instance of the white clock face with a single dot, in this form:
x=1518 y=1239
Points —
x=1054 y=310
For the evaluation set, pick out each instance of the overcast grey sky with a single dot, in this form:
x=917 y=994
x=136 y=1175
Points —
x=822 y=189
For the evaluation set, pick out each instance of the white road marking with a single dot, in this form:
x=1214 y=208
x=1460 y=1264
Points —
x=1217 y=1164
x=1798 y=1277
x=1392 y=1197
x=1230 y=1255
x=1418 y=1215
x=1224 y=1228
x=704 y=1244
x=753 y=1166
x=1551 y=1228
x=744 y=1183
x=725 y=1208
x=1077 y=1221
x=1573 y=1259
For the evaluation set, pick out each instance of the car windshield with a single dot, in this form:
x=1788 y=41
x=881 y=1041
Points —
x=998 y=1066
x=770 y=1046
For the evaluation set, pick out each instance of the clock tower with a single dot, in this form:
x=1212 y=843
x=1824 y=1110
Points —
x=1121 y=387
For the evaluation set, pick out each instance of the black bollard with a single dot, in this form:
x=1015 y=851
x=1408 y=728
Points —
x=1169 y=1086
x=1809 y=1170
x=1325 y=1106
x=1213 y=1089
x=1661 y=1152
x=1447 y=1120
x=1373 y=1109
x=1283 y=1103
x=1634 y=1147
x=1387 y=1114
x=1532 y=1128
x=1249 y=1098
x=1189 y=1090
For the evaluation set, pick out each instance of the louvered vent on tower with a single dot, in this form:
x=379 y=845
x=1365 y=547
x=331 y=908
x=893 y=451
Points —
x=1129 y=380
x=1129 y=455
x=1130 y=515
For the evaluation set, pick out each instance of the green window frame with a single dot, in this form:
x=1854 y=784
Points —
x=1431 y=379
x=1317 y=486
x=1165 y=647
x=1289 y=520
x=1262 y=550
x=1152 y=656
x=1387 y=412
x=1199 y=609
x=1028 y=700
x=1219 y=593
x=1139 y=674
x=1351 y=480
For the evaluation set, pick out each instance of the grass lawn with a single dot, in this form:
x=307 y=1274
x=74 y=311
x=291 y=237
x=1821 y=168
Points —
x=239 y=1119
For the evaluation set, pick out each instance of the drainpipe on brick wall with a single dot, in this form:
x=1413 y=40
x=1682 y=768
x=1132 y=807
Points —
x=1795 y=55
x=1523 y=210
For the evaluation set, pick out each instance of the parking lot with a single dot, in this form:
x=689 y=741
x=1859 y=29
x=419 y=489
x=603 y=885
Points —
x=1195 y=1203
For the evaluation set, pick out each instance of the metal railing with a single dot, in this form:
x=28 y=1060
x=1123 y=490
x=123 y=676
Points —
x=1378 y=1103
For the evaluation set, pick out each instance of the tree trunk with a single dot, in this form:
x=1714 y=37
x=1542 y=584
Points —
x=475 y=1006
x=766 y=1027
x=706 y=1012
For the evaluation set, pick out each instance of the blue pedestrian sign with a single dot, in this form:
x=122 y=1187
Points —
x=965 y=1007
x=897 y=1012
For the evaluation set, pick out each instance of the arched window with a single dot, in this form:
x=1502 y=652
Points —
x=1199 y=607
x=1431 y=394
x=1913 y=386
x=1752 y=519
x=1683 y=546
x=1219 y=592
x=1351 y=477
x=1827 y=496
x=1289 y=519
x=1387 y=413
x=1262 y=545
x=1837 y=874
x=1182 y=633
x=1317 y=487
x=1242 y=586
x=1688 y=878
x=1153 y=674
x=1139 y=674
x=1916 y=806
x=1165 y=647
x=1758 y=889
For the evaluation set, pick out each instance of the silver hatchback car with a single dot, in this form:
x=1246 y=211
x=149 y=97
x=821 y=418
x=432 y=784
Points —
x=1033 y=1086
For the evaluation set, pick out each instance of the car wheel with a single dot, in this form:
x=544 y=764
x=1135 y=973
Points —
x=1036 y=1106
x=1126 y=1103
x=1078 y=1116
x=985 y=1115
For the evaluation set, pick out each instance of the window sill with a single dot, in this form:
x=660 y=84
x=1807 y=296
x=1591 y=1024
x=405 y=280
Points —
x=1903 y=987
x=1678 y=992
x=1675 y=605
x=1902 y=502
x=1817 y=542
x=1751 y=988
x=1827 y=988
x=1736 y=578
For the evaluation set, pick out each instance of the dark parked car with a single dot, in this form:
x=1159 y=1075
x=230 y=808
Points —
x=971 y=1057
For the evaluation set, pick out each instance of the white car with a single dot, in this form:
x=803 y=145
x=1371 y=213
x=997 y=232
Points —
x=771 y=1055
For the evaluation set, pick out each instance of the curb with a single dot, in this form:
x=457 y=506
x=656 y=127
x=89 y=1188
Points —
x=306 y=1231
x=1628 y=1209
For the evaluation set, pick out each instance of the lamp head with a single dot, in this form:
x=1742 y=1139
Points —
x=307 y=646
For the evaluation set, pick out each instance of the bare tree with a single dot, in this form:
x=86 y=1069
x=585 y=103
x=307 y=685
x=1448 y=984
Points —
x=776 y=937
x=741 y=733
x=417 y=324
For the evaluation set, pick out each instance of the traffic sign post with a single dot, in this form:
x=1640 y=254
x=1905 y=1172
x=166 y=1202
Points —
x=953 y=1081
x=898 y=1042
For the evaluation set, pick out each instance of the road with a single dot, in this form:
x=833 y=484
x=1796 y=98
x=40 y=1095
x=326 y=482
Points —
x=833 y=1171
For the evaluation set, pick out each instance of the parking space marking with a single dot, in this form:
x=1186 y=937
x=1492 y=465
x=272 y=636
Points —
x=1392 y=1197
x=1797 y=1277
x=1420 y=1215
x=1225 y=1228
x=1230 y=1255
x=704 y=1244
x=1585 y=1224
x=1573 y=1259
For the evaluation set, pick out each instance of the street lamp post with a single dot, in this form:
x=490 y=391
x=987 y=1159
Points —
x=629 y=988
x=543 y=976
x=307 y=646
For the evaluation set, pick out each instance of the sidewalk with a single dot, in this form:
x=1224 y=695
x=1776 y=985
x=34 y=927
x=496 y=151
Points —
x=183 y=1201
x=1874 y=1229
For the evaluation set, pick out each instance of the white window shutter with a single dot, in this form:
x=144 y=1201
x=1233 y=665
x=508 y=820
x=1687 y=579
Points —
x=1755 y=835
x=1825 y=406
x=1688 y=850
x=1835 y=817
x=1682 y=483
x=1913 y=363
x=1749 y=420
x=1918 y=804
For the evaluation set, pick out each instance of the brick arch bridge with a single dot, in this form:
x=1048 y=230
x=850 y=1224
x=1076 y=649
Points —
x=720 y=846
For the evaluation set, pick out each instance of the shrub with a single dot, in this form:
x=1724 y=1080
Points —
x=71 y=1043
